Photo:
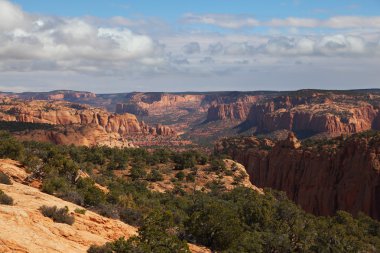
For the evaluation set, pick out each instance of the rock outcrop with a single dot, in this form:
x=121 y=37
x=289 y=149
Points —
x=342 y=174
x=87 y=135
x=24 y=229
x=310 y=112
x=71 y=114
x=234 y=111
x=332 y=118
x=67 y=95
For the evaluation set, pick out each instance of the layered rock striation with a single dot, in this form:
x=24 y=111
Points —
x=322 y=177
x=326 y=116
x=66 y=113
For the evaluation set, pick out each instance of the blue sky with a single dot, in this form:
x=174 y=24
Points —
x=174 y=9
x=173 y=45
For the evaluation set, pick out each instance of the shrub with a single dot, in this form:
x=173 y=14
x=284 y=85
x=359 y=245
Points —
x=155 y=176
x=55 y=185
x=229 y=173
x=107 y=210
x=107 y=248
x=4 y=179
x=217 y=165
x=59 y=215
x=131 y=216
x=137 y=173
x=180 y=176
x=80 y=211
x=214 y=225
x=5 y=199
x=190 y=177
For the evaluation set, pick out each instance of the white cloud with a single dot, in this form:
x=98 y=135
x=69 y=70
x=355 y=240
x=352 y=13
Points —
x=241 y=21
x=222 y=20
x=95 y=49
x=71 y=43
x=11 y=15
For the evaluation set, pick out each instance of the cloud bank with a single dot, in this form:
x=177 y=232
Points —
x=147 y=54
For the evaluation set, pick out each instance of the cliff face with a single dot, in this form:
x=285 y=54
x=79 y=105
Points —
x=320 y=179
x=65 y=113
x=235 y=111
x=58 y=95
x=333 y=118
x=88 y=135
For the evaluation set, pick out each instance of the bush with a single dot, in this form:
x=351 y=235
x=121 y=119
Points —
x=107 y=248
x=156 y=235
x=55 y=185
x=155 y=176
x=217 y=165
x=190 y=177
x=5 y=199
x=80 y=211
x=59 y=215
x=180 y=176
x=131 y=216
x=137 y=173
x=4 y=179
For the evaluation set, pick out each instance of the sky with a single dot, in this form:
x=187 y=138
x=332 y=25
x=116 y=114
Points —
x=108 y=46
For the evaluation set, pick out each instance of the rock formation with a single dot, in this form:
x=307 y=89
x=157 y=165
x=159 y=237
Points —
x=309 y=112
x=322 y=178
x=25 y=229
x=333 y=118
x=235 y=111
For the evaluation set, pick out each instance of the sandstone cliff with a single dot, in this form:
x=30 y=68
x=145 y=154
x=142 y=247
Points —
x=326 y=116
x=322 y=178
x=235 y=111
x=82 y=124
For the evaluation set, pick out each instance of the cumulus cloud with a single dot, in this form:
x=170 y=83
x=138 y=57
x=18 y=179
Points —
x=241 y=21
x=11 y=16
x=192 y=48
x=329 y=46
x=222 y=20
x=128 y=50
x=69 y=43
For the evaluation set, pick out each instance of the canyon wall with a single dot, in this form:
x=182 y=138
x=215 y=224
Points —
x=322 y=178
x=65 y=113
x=332 y=118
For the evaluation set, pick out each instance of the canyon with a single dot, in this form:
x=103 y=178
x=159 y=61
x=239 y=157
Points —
x=210 y=115
x=322 y=176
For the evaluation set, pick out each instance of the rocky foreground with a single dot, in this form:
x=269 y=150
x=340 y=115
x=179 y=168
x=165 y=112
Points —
x=25 y=229
x=321 y=176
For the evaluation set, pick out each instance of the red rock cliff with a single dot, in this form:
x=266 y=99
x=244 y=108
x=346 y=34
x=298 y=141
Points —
x=66 y=113
x=321 y=179
x=326 y=117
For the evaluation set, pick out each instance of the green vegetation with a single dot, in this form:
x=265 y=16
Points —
x=158 y=234
x=60 y=215
x=155 y=176
x=14 y=126
x=80 y=211
x=4 y=179
x=5 y=199
x=240 y=220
